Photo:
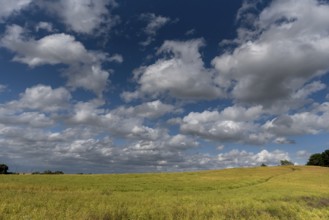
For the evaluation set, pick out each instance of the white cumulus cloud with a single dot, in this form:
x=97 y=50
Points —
x=181 y=75
x=44 y=26
x=82 y=16
x=235 y=124
x=155 y=23
x=287 y=48
x=43 y=98
x=84 y=67
x=10 y=7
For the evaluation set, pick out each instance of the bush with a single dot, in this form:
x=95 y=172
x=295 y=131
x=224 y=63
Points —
x=3 y=169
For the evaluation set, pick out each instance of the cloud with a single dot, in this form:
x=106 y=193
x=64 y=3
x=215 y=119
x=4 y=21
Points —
x=182 y=75
x=190 y=32
x=312 y=122
x=85 y=137
x=155 y=23
x=116 y=58
x=283 y=140
x=237 y=158
x=169 y=161
x=249 y=125
x=309 y=89
x=254 y=125
x=180 y=141
x=42 y=98
x=44 y=26
x=233 y=124
x=165 y=144
x=128 y=122
x=90 y=77
x=30 y=119
x=90 y=149
x=158 y=155
x=11 y=7
x=2 y=88
x=153 y=109
x=52 y=49
x=299 y=123
x=122 y=122
x=272 y=60
x=77 y=148
x=82 y=16
x=246 y=14
x=87 y=113
x=84 y=70
x=73 y=147
x=34 y=107
x=303 y=154
x=39 y=108
x=122 y=138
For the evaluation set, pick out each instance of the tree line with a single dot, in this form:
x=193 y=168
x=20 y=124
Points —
x=4 y=170
x=49 y=172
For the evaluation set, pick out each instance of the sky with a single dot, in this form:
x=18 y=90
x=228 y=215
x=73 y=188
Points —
x=119 y=86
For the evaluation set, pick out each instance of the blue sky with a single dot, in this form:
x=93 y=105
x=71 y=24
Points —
x=107 y=86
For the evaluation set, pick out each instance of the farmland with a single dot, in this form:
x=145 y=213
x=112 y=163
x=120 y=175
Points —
x=284 y=192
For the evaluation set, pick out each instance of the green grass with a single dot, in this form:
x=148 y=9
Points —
x=247 y=193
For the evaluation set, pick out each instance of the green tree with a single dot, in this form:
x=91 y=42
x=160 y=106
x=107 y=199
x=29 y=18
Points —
x=325 y=158
x=319 y=159
x=3 y=169
x=315 y=160
x=286 y=163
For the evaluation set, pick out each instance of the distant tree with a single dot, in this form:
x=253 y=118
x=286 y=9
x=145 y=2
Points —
x=263 y=165
x=315 y=160
x=319 y=159
x=3 y=169
x=325 y=158
x=51 y=172
x=47 y=172
x=286 y=163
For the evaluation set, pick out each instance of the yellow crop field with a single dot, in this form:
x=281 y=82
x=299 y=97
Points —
x=284 y=192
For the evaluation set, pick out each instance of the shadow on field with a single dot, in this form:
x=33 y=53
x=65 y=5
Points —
x=314 y=202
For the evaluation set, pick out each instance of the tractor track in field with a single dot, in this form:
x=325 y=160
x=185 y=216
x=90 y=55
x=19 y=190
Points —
x=261 y=181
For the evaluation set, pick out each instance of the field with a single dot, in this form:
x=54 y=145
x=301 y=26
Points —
x=244 y=193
